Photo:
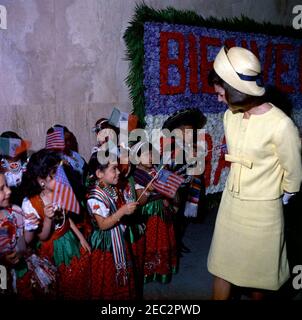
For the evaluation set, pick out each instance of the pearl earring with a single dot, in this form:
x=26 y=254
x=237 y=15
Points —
x=42 y=184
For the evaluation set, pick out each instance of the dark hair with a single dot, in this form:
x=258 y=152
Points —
x=94 y=165
x=186 y=117
x=40 y=165
x=104 y=120
x=105 y=125
x=11 y=134
x=233 y=96
x=71 y=141
x=213 y=78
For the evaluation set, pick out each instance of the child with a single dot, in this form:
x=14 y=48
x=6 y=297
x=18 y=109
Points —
x=24 y=278
x=161 y=255
x=14 y=165
x=67 y=148
x=59 y=238
x=187 y=121
x=135 y=231
x=112 y=274
x=66 y=144
x=104 y=132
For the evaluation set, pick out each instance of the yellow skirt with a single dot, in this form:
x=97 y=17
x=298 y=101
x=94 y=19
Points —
x=248 y=247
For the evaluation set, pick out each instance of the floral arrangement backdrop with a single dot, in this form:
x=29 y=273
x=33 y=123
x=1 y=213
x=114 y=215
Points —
x=170 y=53
x=177 y=59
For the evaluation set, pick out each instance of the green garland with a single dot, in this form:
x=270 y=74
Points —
x=134 y=39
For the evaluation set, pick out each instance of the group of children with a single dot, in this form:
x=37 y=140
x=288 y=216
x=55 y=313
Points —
x=123 y=237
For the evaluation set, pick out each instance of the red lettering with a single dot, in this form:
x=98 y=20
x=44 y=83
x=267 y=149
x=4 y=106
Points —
x=178 y=62
x=229 y=43
x=206 y=65
x=244 y=44
x=193 y=64
x=254 y=48
x=282 y=67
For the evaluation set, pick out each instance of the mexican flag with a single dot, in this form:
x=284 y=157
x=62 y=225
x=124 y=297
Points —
x=117 y=116
x=12 y=147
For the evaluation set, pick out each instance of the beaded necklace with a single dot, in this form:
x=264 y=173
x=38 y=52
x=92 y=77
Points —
x=111 y=191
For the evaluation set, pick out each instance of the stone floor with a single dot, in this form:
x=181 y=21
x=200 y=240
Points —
x=193 y=281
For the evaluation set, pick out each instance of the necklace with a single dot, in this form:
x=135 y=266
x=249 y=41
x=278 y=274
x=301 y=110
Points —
x=111 y=191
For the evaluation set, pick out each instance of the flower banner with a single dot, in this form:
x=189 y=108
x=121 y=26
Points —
x=177 y=59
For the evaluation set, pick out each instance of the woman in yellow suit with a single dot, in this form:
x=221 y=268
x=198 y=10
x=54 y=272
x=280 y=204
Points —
x=248 y=247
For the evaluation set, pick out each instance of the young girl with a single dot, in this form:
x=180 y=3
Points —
x=14 y=165
x=76 y=171
x=59 y=238
x=19 y=262
x=161 y=255
x=112 y=274
x=68 y=149
x=104 y=133
x=135 y=231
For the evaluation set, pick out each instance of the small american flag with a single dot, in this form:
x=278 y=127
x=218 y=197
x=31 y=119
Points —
x=64 y=196
x=167 y=183
x=55 y=140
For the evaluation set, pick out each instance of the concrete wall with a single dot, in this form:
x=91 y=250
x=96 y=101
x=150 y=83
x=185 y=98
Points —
x=62 y=61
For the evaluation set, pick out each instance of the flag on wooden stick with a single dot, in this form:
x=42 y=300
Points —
x=167 y=183
x=64 y=196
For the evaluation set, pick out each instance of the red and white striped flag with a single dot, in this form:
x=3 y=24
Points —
x=167 y=183
x=64 y=196
x=55 y=140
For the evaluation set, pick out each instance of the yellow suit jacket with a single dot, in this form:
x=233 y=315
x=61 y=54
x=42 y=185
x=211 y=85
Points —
x=265 y=155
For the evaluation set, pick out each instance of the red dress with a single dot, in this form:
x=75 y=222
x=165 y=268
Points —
x=73 y=263
x=161 y=253
x=30 y=277
x=112 y=266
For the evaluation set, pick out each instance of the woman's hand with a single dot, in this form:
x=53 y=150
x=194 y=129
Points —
x=286 y=197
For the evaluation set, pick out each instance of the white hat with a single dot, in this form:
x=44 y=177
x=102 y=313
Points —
x=241 y=69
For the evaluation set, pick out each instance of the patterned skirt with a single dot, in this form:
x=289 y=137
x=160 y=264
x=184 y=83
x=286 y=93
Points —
x=74 y=265
x=104 y=285
x=161 y=252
